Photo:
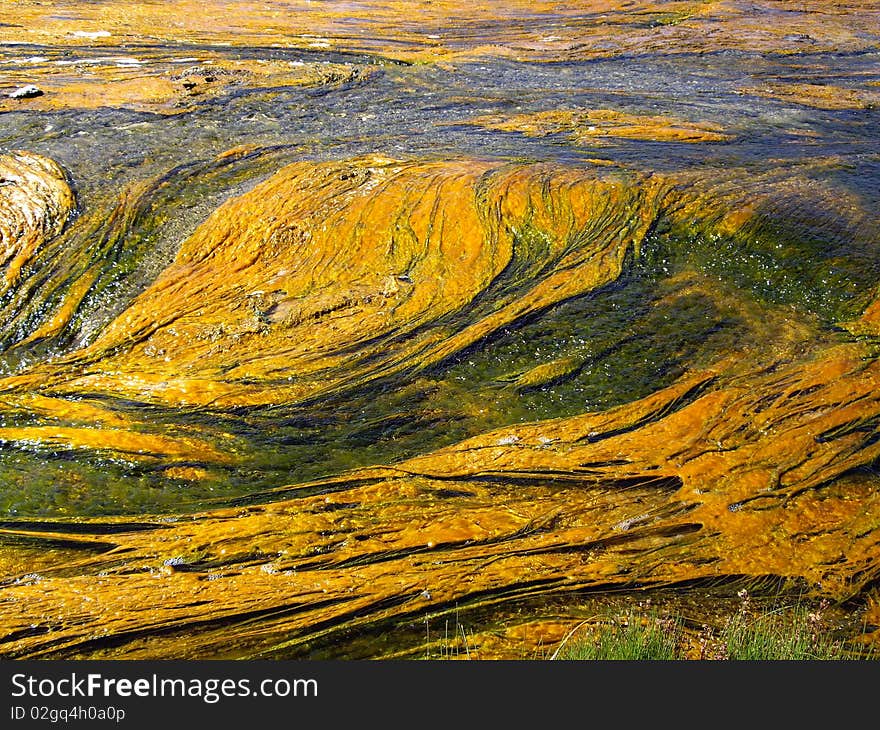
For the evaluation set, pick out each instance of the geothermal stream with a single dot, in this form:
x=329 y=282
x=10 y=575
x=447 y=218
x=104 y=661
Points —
x=325 y=329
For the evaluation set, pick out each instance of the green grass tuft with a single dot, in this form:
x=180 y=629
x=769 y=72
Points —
x=784 y=631
x=793 y=634
x=631 y=637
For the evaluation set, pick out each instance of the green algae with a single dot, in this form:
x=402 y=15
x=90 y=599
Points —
x=780 y=269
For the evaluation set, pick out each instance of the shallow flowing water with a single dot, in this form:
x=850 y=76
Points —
x=659 y=213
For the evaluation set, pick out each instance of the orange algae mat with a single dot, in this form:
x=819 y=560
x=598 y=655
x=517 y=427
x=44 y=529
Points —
x=594 y=369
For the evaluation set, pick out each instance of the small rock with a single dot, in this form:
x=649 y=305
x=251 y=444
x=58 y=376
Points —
x=25 y=92
x=30 y=578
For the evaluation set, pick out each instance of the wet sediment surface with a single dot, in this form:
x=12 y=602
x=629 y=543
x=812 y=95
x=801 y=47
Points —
x=319 y=326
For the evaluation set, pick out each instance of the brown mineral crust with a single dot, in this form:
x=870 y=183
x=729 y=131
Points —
x=35 y=202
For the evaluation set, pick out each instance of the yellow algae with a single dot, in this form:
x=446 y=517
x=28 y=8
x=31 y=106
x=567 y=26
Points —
x=138 y=93
x=35 y=201
x=817 y=96
x=592 y=126
x=338 y=303
x=545 y=373
x=452 y=29
x=129 y=444
x=868 y=323
x=296 y=288
x=164 y=88
x=185 y=473
x=62 y=316
x=679 y=486
x=67 y=410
